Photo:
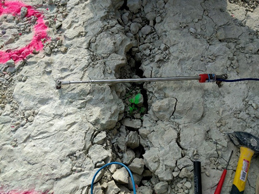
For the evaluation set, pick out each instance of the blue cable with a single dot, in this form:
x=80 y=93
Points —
x=238 y=80
x=131 y=176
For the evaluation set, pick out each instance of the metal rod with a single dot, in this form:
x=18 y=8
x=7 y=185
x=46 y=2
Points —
x=132 y=80
x=59 y=83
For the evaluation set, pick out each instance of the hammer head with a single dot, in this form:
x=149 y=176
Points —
x=244 y=139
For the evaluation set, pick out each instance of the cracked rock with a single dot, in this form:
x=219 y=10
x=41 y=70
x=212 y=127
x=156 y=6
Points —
x=97 y=153
x=229 y=32
x=163 y=109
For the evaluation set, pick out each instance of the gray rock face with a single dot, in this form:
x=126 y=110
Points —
x=47 y=143
x=54 y=140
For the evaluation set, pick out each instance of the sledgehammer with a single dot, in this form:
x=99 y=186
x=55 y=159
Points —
x=249 y=144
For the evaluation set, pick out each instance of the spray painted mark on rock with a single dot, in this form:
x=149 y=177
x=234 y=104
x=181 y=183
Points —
x=40 y=31
x=5 y=191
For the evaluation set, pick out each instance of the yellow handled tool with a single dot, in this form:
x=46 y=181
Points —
x=249 y=144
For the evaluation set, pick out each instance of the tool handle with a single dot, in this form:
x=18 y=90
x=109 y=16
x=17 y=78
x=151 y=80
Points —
x=242 y=170
x=197 y=177
x=221 y=181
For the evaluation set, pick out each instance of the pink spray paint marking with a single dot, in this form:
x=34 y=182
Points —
x=14 y=8
x=23 y=192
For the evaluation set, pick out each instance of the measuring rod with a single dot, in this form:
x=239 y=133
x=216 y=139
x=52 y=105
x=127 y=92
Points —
x=201 y=78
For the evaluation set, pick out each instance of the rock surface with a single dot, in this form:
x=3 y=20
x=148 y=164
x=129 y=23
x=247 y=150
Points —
x=55 y=140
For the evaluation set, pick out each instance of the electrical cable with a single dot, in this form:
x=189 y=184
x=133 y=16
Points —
x=237 y=80
x=131 y=176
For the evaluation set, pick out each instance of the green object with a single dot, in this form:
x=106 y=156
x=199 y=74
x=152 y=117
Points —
x=136 y=99
x=132 y=108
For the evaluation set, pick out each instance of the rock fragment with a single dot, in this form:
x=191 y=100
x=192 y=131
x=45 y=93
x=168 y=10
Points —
x=128 y=156
x=63 y=49
x=132 y=123
x=10 y=63
x=100 y=138
x=146 y=30
x=185 y=173
x=188 y=185
x=161 y=187
x=97 y=153
x=134 y=5
x=23 y=12
x=125 y=18
x=184 y=162
x=31 y=118
x=134 y=28
x=137 y=166
x=112 y=188
x=121 y=175
x=132 y=140
x=48 y=50
x=144 y=190
x=50 y=2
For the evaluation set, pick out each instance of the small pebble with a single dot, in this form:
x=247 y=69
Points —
x=192 y=30
x=31 y=118
x=63 y=49
x=188 y=185
x=24 y=11
x=23 y=123
x=47 y=50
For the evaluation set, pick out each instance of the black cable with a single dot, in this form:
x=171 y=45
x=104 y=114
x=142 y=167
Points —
x=237 y=80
